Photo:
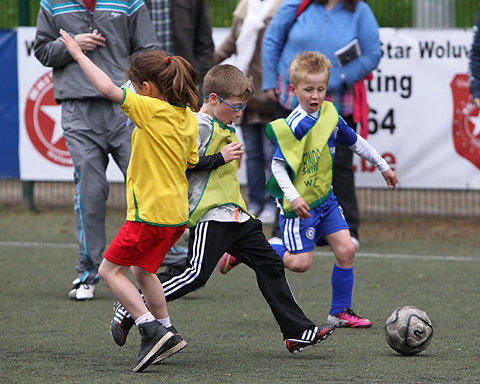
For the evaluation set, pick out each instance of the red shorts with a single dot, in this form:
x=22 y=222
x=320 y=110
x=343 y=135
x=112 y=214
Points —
x=142 y=245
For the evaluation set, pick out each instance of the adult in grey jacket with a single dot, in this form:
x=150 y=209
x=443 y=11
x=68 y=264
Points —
x=93 y=126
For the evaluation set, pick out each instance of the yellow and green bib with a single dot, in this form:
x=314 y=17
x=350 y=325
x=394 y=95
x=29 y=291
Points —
x=309 y=161
x=222 y=186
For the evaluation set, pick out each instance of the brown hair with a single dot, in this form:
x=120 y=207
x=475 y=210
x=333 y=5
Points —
x=172 y=75
x=348 y=4
x=308 y=62
x=227 y=81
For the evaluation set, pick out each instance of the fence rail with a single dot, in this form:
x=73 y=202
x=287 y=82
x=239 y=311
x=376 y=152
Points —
x=373 y=203
x=391 y=13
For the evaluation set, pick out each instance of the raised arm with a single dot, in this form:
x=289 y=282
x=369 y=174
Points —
x=99 y=79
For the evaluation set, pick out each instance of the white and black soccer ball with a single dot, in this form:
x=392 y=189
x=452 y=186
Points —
x=408 y=330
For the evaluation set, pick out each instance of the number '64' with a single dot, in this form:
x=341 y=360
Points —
x=375 y=122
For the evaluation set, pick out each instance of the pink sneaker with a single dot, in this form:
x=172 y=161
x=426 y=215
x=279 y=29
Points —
x=348 y=319
x=227 y=262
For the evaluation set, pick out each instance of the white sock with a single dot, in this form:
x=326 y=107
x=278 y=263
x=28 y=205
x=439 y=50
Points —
x=165 y=322
x=145 y=318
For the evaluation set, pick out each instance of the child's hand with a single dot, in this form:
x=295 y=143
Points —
x=301 y=208
x=391 y=178
x=232 y=152
x=72 y=47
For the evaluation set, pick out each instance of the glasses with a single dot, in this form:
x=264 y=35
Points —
x=236 y=108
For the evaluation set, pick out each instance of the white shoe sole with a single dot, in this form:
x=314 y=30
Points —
x=144 y=363
x=170 y=352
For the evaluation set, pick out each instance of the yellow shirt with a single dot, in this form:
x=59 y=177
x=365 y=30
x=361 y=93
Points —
x=163 y=142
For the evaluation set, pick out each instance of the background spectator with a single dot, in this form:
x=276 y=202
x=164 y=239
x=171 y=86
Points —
x=184 y=28
x=93 y=126
x=250 y=20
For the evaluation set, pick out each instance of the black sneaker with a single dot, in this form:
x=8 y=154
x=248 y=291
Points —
x=175 y=344
x=121 y=324
x=309 y=336
x=154 y=339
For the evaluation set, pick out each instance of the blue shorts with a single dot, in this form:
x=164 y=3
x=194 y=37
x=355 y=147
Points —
x=301 y=235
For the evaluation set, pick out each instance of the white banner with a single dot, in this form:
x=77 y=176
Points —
x=421 y=119
x=42 y=150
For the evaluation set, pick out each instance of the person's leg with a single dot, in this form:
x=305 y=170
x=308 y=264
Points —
x=342 y=280
x=89 y=154
x=252 y=248
x=207 y=243
x=269 y=204
x=123 y=289
x=344 y=183
x=279 y=113
x=152 y=291
x=298 y=242
x=252 y=134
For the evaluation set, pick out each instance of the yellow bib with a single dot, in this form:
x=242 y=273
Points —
x=222 y=186
x=309 y=161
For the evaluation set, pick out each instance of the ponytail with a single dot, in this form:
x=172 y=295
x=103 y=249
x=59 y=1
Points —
x=173 y=76
x=177 y=82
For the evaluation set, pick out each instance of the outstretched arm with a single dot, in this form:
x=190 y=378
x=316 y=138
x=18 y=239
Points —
x=99 y=79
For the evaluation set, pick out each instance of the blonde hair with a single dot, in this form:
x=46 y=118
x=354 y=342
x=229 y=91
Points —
x=306 y=63
x=227 y=81
x=173 y=76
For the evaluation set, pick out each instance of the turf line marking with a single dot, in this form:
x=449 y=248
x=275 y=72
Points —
x=399 y=256
x=323 y=254
x=36 y=244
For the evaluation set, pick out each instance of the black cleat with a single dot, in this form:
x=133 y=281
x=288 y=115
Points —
x=309 y=336
x=121 y=324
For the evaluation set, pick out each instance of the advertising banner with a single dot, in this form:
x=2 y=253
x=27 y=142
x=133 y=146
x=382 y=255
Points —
x=42 y=149
x=420 y=116
x=421 y=119
x=8 y=105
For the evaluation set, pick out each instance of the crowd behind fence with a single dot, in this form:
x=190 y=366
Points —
x=373 y=203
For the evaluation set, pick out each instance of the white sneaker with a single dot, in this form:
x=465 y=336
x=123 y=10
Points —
x=267 y=216
x=81 y=291
x=73 y=293
x=85 y=292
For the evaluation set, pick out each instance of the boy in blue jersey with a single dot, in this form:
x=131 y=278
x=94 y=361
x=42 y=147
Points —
x=302 y=177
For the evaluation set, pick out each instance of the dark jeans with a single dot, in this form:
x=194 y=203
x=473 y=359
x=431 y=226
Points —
x=343 y=180
x=259 y=151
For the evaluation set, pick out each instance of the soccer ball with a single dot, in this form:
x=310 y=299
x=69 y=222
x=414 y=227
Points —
x=408 y=330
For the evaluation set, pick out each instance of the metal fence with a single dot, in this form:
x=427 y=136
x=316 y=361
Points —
x=373 y=203
x=389 y=13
